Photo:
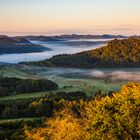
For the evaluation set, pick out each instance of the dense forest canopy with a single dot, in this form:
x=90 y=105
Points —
x=31 y=112
x=118 y=53
x=9 y=86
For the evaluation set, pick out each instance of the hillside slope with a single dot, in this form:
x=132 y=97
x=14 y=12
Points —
x=18 y=45
x=118 y=53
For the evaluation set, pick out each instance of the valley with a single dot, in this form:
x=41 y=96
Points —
x=87 y=80
x=31 y=91
x=65 y=45
x=69 y=69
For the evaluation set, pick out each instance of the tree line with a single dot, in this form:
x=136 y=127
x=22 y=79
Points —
x=35 y=108
x=10 y=86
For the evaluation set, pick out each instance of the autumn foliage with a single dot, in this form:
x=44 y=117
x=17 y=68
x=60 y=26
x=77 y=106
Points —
x=105 y=118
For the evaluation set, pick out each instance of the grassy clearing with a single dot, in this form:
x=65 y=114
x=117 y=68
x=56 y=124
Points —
x=86 y=85
x=35 y=94
x=17 y=71
x=90 y=86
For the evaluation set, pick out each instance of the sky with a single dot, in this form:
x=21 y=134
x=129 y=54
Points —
x=51 y=17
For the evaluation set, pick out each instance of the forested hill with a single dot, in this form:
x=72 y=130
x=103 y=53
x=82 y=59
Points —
x=9 y=45
x=118 y=53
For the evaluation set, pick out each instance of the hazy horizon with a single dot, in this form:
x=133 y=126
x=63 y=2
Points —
x=55 y=17
x=12 y=34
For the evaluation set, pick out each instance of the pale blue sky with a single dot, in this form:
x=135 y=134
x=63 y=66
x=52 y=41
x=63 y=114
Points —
x=70 y=16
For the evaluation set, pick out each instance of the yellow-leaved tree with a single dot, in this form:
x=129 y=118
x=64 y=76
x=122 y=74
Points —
x=116 y=117
x=64 y=126
x=107 y=118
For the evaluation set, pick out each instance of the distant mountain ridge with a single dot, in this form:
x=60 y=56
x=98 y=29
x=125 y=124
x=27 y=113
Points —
x=72 y=36
x=9 y=45
x=118 y=53
x=135 y=36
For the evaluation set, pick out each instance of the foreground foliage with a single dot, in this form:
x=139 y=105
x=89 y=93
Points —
x=19 y=114
x=37 y=107
x=107 y=118
x=14 y=129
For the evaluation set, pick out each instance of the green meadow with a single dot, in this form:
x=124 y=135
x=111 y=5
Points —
x=66 y=83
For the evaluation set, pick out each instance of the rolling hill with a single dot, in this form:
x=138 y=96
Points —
x=9 y=45
x=118 y=53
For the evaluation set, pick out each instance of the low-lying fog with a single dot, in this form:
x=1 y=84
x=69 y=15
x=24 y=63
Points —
x=126 y=74
x=57 y=47
x=116 y=75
